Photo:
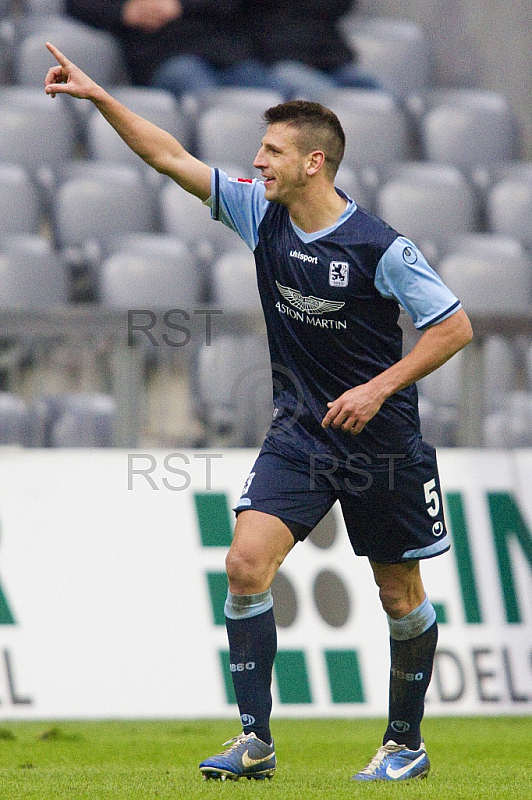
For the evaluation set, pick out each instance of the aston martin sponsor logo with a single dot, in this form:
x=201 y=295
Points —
x=310 y=304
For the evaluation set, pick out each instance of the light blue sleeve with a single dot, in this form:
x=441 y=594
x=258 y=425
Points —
x=404 y=275
x=239 y=203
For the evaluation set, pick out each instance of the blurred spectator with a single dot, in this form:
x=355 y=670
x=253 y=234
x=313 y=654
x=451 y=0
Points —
x=179 y=45
x=302 y=40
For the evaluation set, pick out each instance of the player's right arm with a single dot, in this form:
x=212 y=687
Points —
x=156 y=147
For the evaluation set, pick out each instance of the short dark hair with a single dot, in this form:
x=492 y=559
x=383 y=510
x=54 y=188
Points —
x=319 y=128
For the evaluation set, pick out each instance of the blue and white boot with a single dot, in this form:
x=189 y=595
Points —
x=246 y=757
x=395 y=762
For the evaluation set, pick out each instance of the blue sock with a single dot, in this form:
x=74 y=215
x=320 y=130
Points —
x=413 y=640
x=252 y=647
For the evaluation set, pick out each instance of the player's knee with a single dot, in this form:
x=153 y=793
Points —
x=245 y=574
x=394 y=600
x=399 y=598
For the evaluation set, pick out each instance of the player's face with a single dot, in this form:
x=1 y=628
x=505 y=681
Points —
x=282 y=164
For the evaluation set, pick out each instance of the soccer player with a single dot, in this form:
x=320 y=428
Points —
x=345 y=425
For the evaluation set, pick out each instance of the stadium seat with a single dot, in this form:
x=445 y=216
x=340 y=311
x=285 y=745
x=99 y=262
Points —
x=19 y=201
x=501 y=370
x=185 y=216
x=486 y=284
x=484 y=243
x=4 y=59
x=13 y=419
x=93 y=200
x=442 y=388
x=510 y=426
x=233 y=383
x=509 y=207
x=155 y=273
x=31 y=274
x=352 y=184
x=376 y=128
x=235 y=282
x=485 y=176
x=34 y=130
x=439 y=423
x=156 y=105
x=465 y=127
x=95 y=51
x=395 y=51
x=225 y=134
x=428 y=203
x=44 y=6
x=73 y=420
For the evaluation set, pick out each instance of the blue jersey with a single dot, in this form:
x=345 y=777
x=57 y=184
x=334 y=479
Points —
x=331 y=301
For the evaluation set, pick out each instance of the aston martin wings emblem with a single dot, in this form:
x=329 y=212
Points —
x=311 y=305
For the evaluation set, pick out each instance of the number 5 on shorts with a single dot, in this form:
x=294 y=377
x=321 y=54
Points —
x=432 y=497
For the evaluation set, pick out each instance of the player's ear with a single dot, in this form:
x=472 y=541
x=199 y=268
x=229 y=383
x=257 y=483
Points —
x=315 y=162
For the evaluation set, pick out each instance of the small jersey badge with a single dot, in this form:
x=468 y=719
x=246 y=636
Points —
x=338 y=273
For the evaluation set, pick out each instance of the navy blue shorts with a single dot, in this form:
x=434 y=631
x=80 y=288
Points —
x=391 y=516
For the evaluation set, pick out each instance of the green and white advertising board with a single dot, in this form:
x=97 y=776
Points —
x=112 y=586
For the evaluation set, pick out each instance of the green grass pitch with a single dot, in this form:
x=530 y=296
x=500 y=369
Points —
x=473 y=758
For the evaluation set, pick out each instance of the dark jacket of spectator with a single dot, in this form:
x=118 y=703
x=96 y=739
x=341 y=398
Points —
x=299 y=30
x=206 y=28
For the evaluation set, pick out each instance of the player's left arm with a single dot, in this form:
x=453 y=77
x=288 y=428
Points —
x=354 y=408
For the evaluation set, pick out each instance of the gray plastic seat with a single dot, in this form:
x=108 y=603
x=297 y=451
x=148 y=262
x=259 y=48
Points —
x=376 y=128
x=439 y=423
x=156 y=105
x=227 y=134
x=155 y=273
x=395 y=51
x=185 y=216
x=13 y=419
x=94 y=200
x=235 y=282
x=234 y=389
x=31 y=274
x=4 y=59
x=484 y=243
x=44 y=6
x=510 y=426
x=19 y=201
x=351 y=183
x=74 y=420
x=465 y=127
x=35 y=131
x=94 y=51
x=509 y=208
x=483 y=283
x=428 y=203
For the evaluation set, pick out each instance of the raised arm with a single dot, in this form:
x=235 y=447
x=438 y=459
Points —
x=156 y=147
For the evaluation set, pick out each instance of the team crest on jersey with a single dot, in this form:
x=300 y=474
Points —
x=338 y=273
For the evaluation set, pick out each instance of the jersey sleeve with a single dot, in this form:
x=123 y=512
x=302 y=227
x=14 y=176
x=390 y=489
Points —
x=239 y=203
x=404 y=275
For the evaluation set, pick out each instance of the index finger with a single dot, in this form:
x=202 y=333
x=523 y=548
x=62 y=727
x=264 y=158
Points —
x=62 y=59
